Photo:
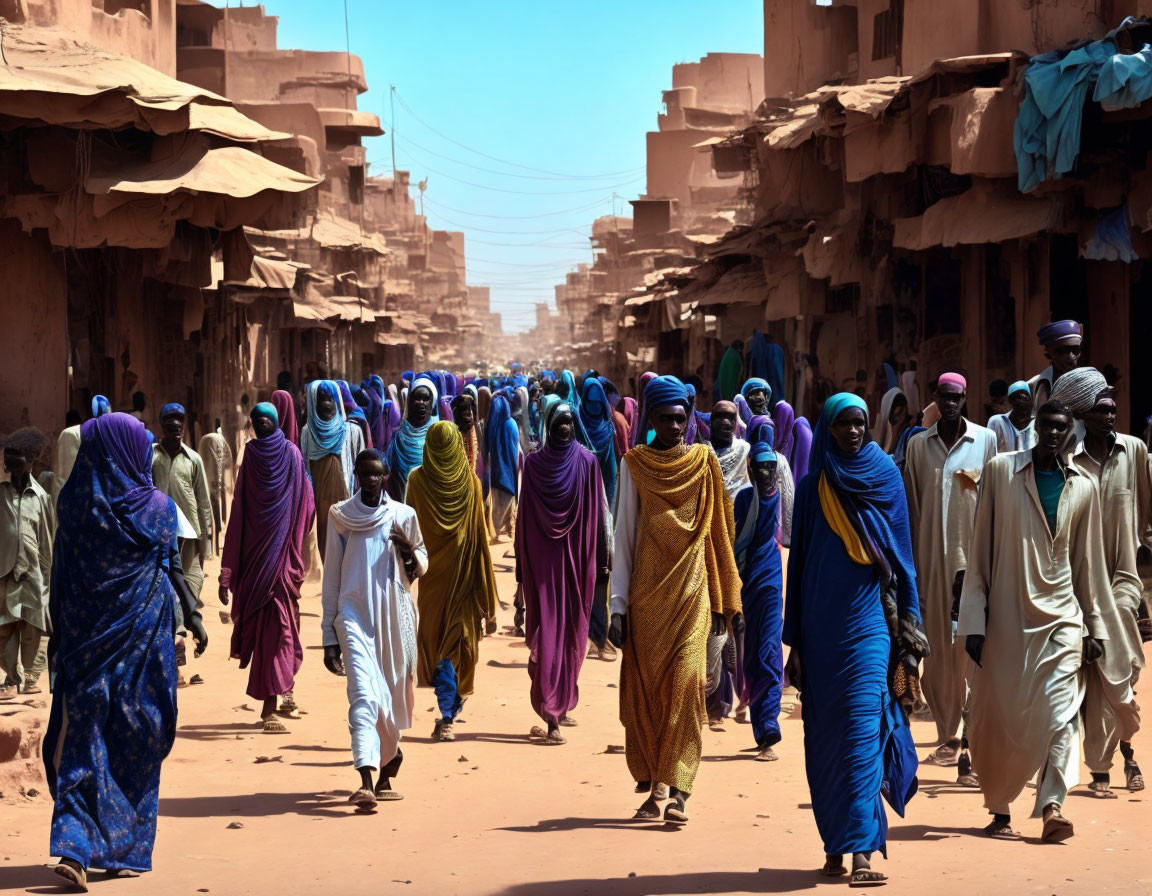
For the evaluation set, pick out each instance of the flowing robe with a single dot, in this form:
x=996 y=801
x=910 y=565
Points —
x=561 y=544
x=1111 y=714
x=942 y=485
x=369 y=613
x=265 y=560
x=1032 y=594
x=673 y=567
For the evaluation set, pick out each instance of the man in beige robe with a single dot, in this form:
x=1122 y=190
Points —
x=1035 y=570
x=942 y=472
x=1118 y=464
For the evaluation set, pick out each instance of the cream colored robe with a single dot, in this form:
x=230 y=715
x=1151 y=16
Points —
x=1039 y=592
x=942 y=487
x=1125 y=489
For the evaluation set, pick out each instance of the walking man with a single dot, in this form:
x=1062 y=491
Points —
x=375 y=553
x=674 y=581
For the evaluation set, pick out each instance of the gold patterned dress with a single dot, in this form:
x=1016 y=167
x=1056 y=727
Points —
x=673 y=568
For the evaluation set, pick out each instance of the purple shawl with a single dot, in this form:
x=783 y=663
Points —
x=265 y=559
x=801 y=448
x=286 y=413
x=785 y=419
x=560 y=547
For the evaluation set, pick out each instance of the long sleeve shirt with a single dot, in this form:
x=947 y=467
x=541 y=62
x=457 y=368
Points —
x=183 y=479
x=26 y=533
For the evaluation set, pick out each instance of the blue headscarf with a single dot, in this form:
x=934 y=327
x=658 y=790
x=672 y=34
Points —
x=573 y=392
x=325 y=436
x=870 y=489
x=1018 y=386
x=266 y=409
x=502 y=436
x=596 y=415
x=762 y=452
x=407 y=447
x=100 y=406
x=754 y=383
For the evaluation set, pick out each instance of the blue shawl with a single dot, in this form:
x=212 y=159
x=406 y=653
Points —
x=325 y=436
x=502 y=437
x=596 y=415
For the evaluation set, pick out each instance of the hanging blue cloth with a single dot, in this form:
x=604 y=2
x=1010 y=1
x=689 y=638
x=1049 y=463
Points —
x=502 y=436
x=766 y=360
x=596 y=416
x=758 y=559
x=1112 y=240
x=113 y=717
x=405 y=453
x=857 y=744
x=325 y=436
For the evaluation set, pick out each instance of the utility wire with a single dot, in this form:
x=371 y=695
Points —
x=567 y=211
x=525 y=192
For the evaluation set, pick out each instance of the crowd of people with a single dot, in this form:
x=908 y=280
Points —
x=982 y=577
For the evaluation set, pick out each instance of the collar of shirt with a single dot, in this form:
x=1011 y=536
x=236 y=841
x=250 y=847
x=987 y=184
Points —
x=1021 y=460
x=965 y=432
x=160 y=451
x=33 y=486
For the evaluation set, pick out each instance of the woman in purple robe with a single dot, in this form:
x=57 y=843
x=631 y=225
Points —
x=561 y=546
x=265 y=560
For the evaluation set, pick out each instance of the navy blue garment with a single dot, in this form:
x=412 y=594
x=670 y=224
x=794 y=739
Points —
x=446 y=688
x=766 y=360
x=596 y=416
x=113 y=609
x=758 y=559
x=857 y=744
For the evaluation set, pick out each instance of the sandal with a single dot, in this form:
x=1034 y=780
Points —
x=834 y=866
x=363 y=799
x=568 y=722
x=1102 y=790
x=73 y=873
x=274 y=726
x=32 y=689
x=1001 y=831
x=446 y=733
x=675 y=813
x=196 y=679
x=1057 y=828
x=648 y=811
x=766 y=755
x=388 y=796
x=1133 y=780
x=866 y=877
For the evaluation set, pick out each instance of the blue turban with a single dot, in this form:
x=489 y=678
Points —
x=100 y=406
x=762 y=451
x=1018 y=386
x=1059 y=330
x=756 y=383
x=265 y=409
x=840 y=402
x=690 y=389
x=172 y=409
x=663 y=391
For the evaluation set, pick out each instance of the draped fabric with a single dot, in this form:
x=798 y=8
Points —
x=631 y=413
x=573 y=392
x=265 y=560
x=784 y=419
x=731 y=374
x=503 y=438
x=620 y=434
x=520 y=415
x=801 y=448
x=286 y=415
x=857 y=743
x=596 y=415
x=560 y=547
x=887 y=435
x=375 y=411
x=692 y=433
x=392 y=415
x=761 y=596
x=640 y=427
x=459 y=590
x=672 y=568
x=113 y=717
x=766 y=360
x=405 y=453
x=326 y=436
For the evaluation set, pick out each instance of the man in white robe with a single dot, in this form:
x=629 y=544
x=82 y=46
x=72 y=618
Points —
x=1035 y=571
x=942 y=473
x=374 y=553
x=1118 y=464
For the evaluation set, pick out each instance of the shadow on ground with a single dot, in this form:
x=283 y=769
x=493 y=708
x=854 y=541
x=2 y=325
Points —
x=766 y=880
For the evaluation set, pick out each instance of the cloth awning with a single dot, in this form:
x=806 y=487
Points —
x=989 y=212
x=51 y=76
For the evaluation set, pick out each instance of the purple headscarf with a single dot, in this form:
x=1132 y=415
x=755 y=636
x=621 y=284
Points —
x=265 y=559
x=286 y=412
x=785 y=419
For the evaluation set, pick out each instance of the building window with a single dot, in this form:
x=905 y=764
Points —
x=356 y=184
x=887 y=27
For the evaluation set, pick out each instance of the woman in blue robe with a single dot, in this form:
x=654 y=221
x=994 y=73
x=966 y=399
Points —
x=757 y=514
x=115 y=582
x=852 y=619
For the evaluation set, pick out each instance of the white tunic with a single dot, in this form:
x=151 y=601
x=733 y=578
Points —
x=1008 y=437
x=370 y=614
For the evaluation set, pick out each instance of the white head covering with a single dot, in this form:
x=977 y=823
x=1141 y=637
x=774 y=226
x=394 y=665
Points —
x=427 y=383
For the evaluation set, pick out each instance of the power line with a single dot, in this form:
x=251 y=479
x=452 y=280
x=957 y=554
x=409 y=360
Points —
x=506 y=161
x=526 y=192
x=578 y=208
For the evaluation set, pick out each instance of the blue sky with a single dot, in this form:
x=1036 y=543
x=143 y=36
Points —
x=565 y=91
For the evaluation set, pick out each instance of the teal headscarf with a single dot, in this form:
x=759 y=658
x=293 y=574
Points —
x=840 y=402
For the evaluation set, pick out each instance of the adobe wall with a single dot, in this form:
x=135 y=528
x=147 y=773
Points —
x=806 y=45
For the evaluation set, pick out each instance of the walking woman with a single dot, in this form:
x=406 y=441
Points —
x=115 y=584
x=852 y=619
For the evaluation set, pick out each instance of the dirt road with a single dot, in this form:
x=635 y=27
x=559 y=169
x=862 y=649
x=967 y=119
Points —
x=242 y=812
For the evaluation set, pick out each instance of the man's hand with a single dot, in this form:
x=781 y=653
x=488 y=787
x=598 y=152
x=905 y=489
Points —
x=405 y=551
x=719 y=625
x=957 y=590
x=618 y=630
x=738 y=624
x=224 y=595
x=195 y=625
x=793 y=669
x=974 y=647
x=1093 y=650
x=332 y=661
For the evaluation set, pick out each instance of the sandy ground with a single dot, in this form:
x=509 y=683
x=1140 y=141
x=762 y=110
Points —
x=242 y=812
